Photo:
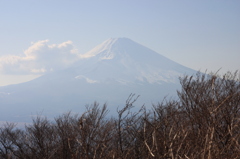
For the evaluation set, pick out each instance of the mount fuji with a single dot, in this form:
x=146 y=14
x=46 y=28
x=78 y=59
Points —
x=107 y=73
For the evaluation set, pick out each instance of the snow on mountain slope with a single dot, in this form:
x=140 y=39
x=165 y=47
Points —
x=107 y=73
x=121 y=59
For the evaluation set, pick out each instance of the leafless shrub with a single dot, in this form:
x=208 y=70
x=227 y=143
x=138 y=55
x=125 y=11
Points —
x=6 y=145
x=127 y=127
x=211 y=105
x=203 y=123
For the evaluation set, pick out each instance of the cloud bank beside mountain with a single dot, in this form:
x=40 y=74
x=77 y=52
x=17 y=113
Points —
x=41 y=57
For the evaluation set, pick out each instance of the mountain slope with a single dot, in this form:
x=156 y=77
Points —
x=122 y=59
x=107 y=73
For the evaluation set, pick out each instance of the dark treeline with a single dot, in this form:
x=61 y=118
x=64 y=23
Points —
x=202 y=123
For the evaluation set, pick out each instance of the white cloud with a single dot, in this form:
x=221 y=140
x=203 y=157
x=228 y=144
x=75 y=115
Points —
x=87 y=79
x=40 y=58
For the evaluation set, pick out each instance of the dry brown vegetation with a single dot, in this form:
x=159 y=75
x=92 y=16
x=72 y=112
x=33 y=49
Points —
x=202 y=123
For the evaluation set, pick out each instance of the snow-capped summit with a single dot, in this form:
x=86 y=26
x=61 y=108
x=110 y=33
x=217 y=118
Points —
x=119 y=47
x=103 y=48
x=122 y=59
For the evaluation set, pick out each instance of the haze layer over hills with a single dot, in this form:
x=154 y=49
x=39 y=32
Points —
x=107 y=73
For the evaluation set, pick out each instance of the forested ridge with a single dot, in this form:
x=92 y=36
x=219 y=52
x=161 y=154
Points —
x=204 y=122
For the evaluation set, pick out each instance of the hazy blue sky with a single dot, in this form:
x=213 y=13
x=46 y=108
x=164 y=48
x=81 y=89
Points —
x=198 y=34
